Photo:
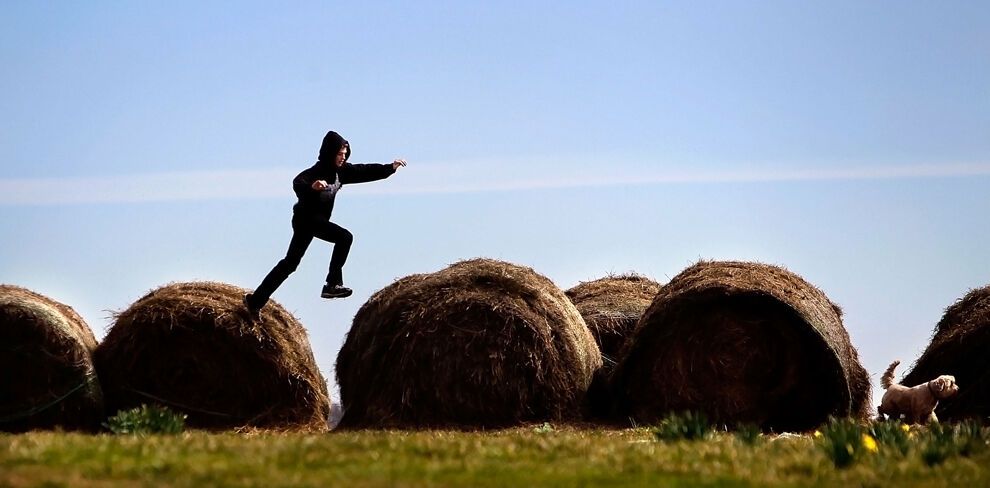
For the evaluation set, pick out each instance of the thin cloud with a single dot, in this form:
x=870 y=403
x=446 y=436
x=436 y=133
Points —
x=157 y=187
x=430 y=179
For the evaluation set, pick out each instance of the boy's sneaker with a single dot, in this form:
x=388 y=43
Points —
x=255 y=313
x=335 y=291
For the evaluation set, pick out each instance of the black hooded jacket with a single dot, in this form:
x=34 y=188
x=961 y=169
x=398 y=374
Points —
x=318 y=203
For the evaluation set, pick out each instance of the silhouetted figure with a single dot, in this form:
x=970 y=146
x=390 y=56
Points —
x=317 y=187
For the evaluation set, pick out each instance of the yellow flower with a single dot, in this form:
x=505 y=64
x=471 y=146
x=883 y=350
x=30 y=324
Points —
x=906 y=427
x=817 y=434
x=869 y=443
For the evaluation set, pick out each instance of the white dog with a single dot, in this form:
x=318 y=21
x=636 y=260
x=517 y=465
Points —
x=916 y=404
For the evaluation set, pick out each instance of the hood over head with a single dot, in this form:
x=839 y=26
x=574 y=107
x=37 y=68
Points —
x=332 y=142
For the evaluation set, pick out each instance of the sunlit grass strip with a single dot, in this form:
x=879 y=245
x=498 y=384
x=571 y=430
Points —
x=534 y=455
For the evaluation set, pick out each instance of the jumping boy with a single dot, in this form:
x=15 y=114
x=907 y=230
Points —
x=316 y=188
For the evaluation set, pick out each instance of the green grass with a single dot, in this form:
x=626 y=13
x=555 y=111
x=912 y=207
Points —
x=153 y=419
x=536 y=455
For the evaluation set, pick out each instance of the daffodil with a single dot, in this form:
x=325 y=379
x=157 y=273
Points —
x=869 y=443
x=817 y=434
x=906 y=427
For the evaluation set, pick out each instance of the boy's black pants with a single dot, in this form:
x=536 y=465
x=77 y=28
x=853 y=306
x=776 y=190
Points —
x=304 y=229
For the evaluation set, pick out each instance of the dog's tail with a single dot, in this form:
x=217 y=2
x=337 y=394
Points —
x=888 y=376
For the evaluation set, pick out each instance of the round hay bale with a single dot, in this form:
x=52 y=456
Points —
x=611 y=306
x=743 y=343
x=959 y=347
x=48 y=379
x=481 y=343
x=194 y=348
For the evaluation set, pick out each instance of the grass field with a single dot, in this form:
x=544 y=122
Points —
x=540 y=455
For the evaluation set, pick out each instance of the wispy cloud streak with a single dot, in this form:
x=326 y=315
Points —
x=180 y=186
x=431 y=179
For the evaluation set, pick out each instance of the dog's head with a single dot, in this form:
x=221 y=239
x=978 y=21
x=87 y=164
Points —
x=944 y=386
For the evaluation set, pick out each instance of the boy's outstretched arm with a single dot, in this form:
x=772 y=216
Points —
x=363 y=173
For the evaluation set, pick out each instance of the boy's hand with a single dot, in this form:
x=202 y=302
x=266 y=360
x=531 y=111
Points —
x=397 y=163
x=320 y=185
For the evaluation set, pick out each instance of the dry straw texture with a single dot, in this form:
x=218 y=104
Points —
x=47 y=377
x=745 y=343
x=960 y=347
x=192 y=347
x=611 y=307
x=481 y=343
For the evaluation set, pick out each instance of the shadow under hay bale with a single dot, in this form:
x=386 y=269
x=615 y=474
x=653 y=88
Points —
x=192 y=347
x=959 y=347
x=743 y=343
x=481 y=343
x=611 y=307
x=47 y=377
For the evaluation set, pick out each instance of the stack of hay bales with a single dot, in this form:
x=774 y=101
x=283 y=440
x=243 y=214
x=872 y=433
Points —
x=743 y=343
x=47 y=377
x=960 y=347
x=481 y=343
x=194 y=348
x=611 y=307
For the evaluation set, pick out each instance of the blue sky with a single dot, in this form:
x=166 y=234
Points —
x=144 y=143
